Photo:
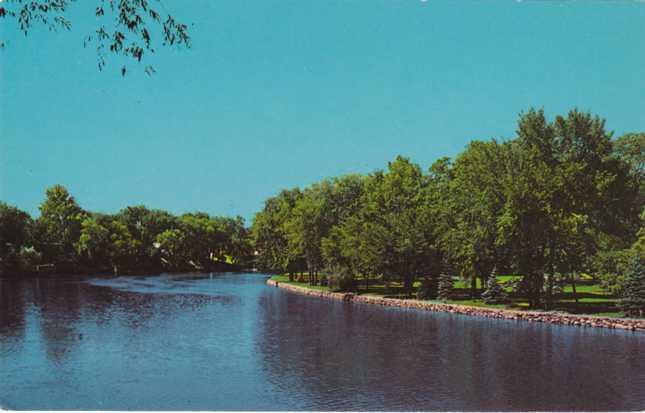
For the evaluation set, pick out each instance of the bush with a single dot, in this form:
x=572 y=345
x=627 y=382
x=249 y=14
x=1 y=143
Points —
x=340 y=279
x=29 y=259
x=428 y=289
x=494 y=293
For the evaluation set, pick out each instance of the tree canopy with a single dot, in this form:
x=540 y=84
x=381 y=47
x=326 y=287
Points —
x=133 y=240
x=556 y=200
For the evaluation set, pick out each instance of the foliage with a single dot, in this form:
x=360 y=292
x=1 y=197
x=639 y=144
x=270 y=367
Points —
x=473 y=202
x=340 y=279
x=494 y=293
x=610 y=267
x=269 y=234
x=562 y=197
x=633 y=301
x=14 y=234
x=125 y=28
x=445 y=289
x=428 y=289
x=134 y=239
x=58 y=228
x=563 y=186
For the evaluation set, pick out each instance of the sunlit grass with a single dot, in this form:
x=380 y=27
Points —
x=591 y=298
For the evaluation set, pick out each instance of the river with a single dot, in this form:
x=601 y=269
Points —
x=230 y=342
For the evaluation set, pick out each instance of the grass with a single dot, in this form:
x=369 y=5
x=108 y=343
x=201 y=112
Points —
x=285 y=280
x=591 y=298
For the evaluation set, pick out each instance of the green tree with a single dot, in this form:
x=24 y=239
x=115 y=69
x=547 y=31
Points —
x=633 y=301
x=269 y=234
x=308 y=225
x=631 y=149
x=14 y=235
x=94 y=244
x=562 y=188
x=174 y=247
x=58 y=228
x=398 y=204
x=143 y=225
x=445 y=287
x=233 y=240
x=494 y=293
x=474 y=200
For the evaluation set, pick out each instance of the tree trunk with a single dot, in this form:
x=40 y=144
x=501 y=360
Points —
x=535 y=286
x=549 y=291
x=473 y=286
x=549 y=287
x=573 y=287
x=408 y=282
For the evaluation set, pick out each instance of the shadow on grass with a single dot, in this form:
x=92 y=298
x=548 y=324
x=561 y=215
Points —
x=591 y=300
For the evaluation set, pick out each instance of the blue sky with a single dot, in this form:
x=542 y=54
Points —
x=275 y=94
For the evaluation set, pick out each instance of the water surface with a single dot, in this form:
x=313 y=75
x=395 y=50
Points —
x=229 y=342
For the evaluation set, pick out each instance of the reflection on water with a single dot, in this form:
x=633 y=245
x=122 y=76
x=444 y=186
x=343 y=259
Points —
x=229 y=342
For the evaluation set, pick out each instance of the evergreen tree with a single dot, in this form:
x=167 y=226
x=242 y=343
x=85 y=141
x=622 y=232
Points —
x=428 y=289
x=633 y=302
x=445 y=287
x=494 y=293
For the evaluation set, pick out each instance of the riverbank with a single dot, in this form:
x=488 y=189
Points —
x=220 y=267
x=533 y=316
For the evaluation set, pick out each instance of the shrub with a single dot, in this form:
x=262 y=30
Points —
x=428 y=289
x=29 y=259
x=494 y=293
x=340 y=279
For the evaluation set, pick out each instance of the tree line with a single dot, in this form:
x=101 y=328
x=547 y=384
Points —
x=561 y=198
x=66 y=238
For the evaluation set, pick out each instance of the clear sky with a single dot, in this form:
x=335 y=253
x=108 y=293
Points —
x=275 y=94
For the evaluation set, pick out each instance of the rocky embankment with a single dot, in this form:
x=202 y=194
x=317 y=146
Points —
x=535 y=316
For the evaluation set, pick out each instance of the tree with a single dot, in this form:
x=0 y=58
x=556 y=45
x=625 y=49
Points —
x=14 y=235
x=494 y=293
x=340 y=278
x=428 y=289
x=174 y=248
x=397 y=202
x=562 y=188
x=143 y=225
x=633 y=301
x=233 y=239
x=269 y=233
x=201 y=237
x=94 y=244
x=58 y=228
x=445 y=287
x=357 y=245
x=474 y=200
x=631 y=148
x=308 y=225
x=125 y=28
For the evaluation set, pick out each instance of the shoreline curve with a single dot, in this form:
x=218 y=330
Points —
x=630 y=324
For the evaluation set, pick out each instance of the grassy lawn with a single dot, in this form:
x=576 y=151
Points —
x=591 y=298
x=285 y=279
